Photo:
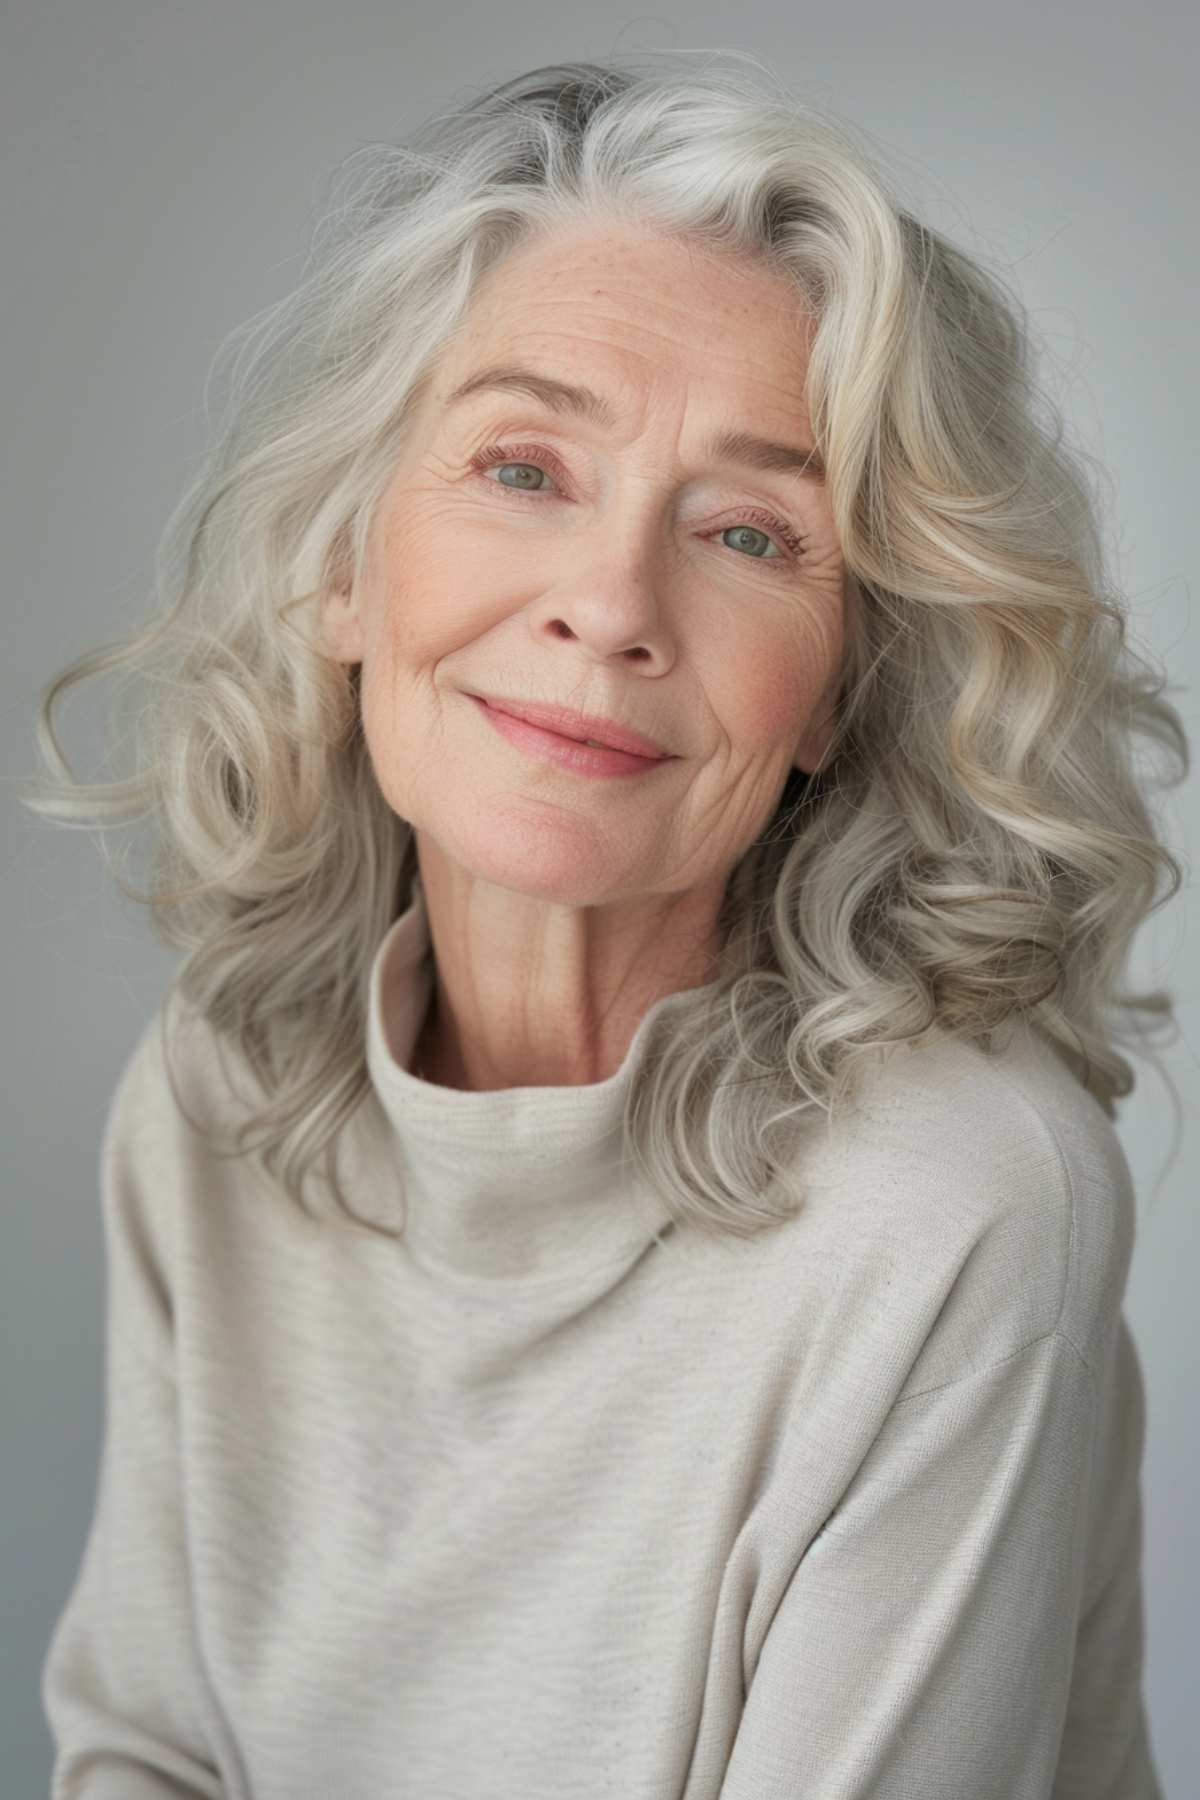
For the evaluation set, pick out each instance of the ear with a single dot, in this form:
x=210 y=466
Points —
x=341 y=625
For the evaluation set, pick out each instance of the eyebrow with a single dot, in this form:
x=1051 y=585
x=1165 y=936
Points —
x=583 y=402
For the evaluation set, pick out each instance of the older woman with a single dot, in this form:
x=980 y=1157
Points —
x=644 y=780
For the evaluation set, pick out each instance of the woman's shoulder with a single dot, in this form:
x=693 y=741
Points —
x=996 y=1172
x=996 y=1125
x=180 y=1074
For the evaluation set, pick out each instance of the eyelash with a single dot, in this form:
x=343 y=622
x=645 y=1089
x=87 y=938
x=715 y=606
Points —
x=537 y=458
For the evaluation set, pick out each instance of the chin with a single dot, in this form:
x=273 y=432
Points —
x=560 y=875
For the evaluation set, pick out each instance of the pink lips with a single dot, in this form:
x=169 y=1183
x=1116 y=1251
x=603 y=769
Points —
x=566 y=723
x=552 y=746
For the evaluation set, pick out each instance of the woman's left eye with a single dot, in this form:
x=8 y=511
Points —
x=522 y=456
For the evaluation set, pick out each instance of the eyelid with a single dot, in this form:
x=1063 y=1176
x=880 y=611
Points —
x=794 y=542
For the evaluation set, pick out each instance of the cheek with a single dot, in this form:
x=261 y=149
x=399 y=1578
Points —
x=764 y=698
x=769 y=683
x=431 y=576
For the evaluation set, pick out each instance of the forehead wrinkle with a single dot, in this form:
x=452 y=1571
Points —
x=576 y=399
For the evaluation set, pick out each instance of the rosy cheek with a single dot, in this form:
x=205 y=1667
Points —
x=768 y=701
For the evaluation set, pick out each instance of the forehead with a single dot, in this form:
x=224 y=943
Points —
x=651 y=305
x=611 y=259
x=597 y=325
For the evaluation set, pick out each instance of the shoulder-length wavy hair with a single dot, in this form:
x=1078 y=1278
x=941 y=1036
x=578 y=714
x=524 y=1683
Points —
x=975 y=848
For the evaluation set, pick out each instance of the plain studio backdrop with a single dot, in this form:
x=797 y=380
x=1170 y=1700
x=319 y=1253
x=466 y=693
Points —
x=163 y=166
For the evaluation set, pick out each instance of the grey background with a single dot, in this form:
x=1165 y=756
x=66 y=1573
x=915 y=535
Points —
x=161 y=169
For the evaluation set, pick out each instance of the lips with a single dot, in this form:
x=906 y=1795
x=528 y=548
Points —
x=579 y=726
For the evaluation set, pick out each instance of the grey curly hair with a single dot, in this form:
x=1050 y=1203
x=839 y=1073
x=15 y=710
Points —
x=975 y=849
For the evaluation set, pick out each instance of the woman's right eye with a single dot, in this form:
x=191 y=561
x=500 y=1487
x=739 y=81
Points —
x=504 y=457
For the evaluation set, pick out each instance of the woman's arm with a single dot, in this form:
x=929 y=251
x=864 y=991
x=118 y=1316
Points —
x=929 y=1644
x=123 y=1687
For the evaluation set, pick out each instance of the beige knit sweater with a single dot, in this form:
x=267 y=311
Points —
x=551 y=1499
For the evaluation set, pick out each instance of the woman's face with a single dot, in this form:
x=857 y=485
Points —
x=638 y=576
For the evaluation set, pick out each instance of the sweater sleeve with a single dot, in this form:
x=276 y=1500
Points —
x=122 y=1685
x=926 y=1644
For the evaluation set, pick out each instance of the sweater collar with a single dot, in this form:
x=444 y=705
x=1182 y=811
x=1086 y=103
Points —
x=516 y=1183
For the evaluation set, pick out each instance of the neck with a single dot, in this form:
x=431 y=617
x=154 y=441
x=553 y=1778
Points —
x=533 y=994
